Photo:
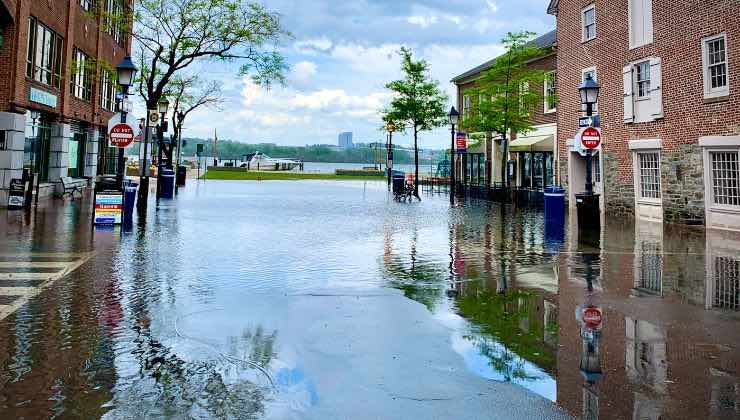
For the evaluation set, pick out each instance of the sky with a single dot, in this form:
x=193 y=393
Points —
x=341 y=55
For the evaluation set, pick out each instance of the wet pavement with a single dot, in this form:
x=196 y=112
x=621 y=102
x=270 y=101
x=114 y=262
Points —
x=327 y=300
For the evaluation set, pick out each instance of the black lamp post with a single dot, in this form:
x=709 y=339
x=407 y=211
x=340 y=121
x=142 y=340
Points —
x=589 y=92
x=126 y=72
x=390 y=127
x=588 y=203
x=162 y=107
x=454 y=116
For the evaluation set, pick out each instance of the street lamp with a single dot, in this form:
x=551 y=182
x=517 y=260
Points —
x=454 y=117
x=588 y=203
x=162 y=107
x=125 y=72
x=390 y=127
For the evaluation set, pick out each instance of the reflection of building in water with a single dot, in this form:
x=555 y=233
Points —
x=723 y=271
x=648 y=270
x=725 y=398
x=590 y=403
x=645 y=362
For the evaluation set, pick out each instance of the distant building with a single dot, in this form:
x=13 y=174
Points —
x=345 y=140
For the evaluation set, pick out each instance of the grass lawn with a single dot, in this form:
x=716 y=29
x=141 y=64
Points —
x=271 y=176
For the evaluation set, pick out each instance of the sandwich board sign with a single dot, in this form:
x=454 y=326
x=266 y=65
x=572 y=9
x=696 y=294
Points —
x=108 y=208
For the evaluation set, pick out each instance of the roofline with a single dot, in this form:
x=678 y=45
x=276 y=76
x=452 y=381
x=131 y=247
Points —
x=552 y=8
x=469 y=77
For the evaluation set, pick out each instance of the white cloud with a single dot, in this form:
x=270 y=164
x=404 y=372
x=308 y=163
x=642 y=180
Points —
x=492 y=6
x=308 y=46
x=303 y=72
x=423 y=21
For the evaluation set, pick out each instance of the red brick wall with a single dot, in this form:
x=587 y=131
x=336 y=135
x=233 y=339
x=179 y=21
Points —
x=78 y=29
x=679 y=26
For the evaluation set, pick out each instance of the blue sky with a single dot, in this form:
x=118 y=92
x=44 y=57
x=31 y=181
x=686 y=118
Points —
x=343 y=52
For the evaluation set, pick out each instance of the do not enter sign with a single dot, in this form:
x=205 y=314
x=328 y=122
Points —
x=591 y=138
x=121 y=135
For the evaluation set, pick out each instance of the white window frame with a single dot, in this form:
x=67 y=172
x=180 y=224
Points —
x=712 y=202
x=467 y=105
x=550 y=83
x=81 y=79
x=87 y=5
x=709 y=92
x=584 y=37
x=636 y=81
x=637 y=165
x=595 y=78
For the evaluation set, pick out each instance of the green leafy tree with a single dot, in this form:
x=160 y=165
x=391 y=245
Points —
x=418 y=103
x=505 y=93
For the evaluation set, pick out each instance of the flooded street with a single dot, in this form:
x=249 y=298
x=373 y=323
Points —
x=328 y=300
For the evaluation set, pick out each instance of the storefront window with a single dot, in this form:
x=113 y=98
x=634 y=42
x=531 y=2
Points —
x=36 y=148
x=535 y=170
x=76 y=166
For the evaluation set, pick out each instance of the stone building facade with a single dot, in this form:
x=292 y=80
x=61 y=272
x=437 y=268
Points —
x=57 y=87
x=669 y=105
x=542 y=138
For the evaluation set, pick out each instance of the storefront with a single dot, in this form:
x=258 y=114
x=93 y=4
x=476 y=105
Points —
x=37 y=145
x=533 y=162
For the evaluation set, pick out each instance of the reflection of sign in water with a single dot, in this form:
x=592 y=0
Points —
x=592 y=317
x=108 y=208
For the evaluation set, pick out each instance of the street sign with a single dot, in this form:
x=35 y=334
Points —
x=593 y=121
x=153 y=116
x=592 y=317
x=591 y=138
x=121 y=135
x=461 y=144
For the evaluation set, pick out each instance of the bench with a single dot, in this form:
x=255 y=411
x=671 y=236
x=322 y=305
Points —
x=71 y=185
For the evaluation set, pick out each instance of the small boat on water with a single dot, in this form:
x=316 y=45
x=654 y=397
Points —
x=259 y=161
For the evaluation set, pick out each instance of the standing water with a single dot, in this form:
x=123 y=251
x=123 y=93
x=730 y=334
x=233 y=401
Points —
x=310 y=299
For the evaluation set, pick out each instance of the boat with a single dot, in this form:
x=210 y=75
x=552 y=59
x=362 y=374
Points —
x=259 y=161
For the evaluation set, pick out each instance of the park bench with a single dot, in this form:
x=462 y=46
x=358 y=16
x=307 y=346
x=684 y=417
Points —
x=71 y=185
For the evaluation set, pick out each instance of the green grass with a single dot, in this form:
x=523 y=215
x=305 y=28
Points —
x=272 y=176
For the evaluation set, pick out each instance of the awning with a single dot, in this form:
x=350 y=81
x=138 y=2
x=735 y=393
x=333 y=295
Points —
x=533 y=144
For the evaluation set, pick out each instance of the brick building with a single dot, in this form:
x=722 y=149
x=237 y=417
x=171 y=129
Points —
x=669 y=105
x=57 y=87
x=532 y=157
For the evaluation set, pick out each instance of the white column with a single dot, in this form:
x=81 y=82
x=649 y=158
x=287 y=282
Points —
x=12 y=132
x=91 y=153
x=59 y=153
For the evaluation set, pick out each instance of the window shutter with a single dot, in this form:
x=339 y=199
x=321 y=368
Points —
x=629 y=104
x=656 y=88
x=647 y=18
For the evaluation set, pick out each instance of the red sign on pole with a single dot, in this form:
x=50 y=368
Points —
x=591 y=138
x=121 y=135
x=592 y=317
x=462 y=142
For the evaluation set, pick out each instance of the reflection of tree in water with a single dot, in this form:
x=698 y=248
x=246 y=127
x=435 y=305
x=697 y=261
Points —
x=510 y=319
x=170 y=386
x=420 y=281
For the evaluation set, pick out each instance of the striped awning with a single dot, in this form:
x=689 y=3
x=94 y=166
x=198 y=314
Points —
x=533 y=144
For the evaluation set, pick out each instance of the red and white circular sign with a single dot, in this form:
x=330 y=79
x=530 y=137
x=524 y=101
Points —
x=591 y=138
x=121 y=135
x=592 y=317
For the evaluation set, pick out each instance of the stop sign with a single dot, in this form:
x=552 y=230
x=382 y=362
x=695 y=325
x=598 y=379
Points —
x=592 y=317
x=591 y=138
x=121 y=135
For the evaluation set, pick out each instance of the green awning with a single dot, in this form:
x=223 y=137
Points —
x=533 y=144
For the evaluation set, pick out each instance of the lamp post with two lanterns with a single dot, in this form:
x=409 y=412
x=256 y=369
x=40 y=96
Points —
x=162 y=107
x=588 y=203
x=126 y=72
x=454 y=116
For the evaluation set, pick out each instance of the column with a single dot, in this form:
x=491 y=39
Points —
x=59 y=153
x=91 y=153
x=12 y=132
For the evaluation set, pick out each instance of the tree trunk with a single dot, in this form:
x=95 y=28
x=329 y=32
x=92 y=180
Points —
x=416 y=166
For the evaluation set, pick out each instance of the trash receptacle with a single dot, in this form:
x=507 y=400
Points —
x=167 y=183
x=398 y=178
x=182 y=173
x=589 y=215
x=554 y=204
x=129 y=203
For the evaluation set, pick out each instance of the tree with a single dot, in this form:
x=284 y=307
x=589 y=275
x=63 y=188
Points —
x=418 y=104
x=502 y=98
x=188 y=94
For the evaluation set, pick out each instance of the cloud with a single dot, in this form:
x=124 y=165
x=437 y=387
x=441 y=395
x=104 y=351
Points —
x=303 y=72
x=308 y=46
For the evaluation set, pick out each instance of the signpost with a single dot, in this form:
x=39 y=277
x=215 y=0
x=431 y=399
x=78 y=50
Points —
x=461 y=143
x=121 y=135
x=591 y=138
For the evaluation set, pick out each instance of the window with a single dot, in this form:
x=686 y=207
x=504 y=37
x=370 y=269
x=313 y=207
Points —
x=642 y=71
x=596 y=166
x=523 y=93
x=715 y=66
x=114 y=19
x=725 y=167
x=649 y=175
x=588 y=18
x=640 y=22
x=44 y=54
x=466 y=105
x=87 y=5
x=80 y=79
x=107 y=91
x=550 y=92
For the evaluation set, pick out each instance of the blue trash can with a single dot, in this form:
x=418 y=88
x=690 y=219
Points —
x=167 y=183
x=129 y=202
x=555 y=203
